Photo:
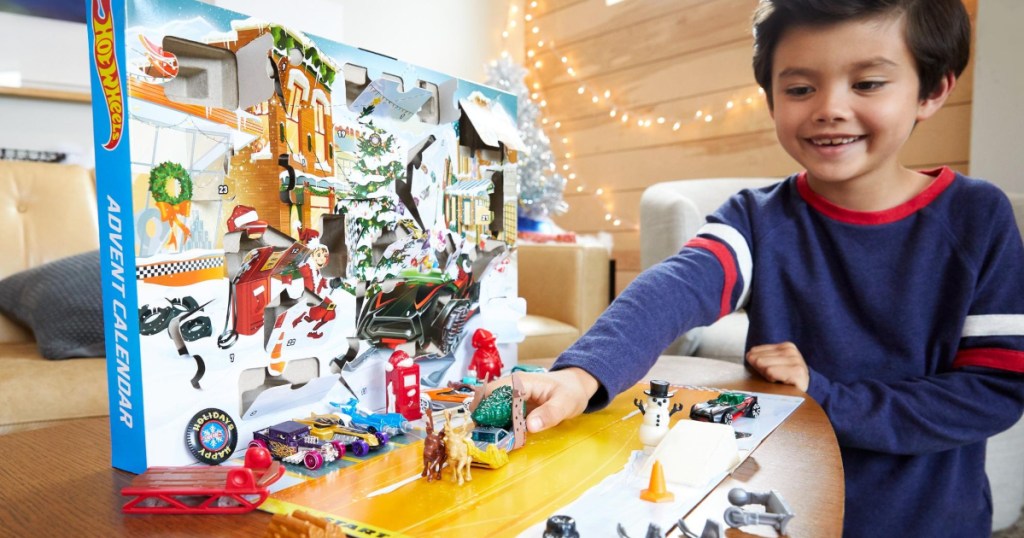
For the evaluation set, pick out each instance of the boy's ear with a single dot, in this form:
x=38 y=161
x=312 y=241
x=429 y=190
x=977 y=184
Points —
x=931 y=104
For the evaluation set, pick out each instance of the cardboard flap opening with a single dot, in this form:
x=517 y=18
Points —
x=219 y=78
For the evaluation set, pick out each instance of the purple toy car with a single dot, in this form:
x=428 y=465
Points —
x=291 y=442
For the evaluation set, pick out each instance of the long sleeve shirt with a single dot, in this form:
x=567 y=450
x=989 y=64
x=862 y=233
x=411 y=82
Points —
x=911 y=321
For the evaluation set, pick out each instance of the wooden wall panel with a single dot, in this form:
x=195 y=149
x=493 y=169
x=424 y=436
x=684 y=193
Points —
x=655 y=82
x=670 y=58
x=685 y=30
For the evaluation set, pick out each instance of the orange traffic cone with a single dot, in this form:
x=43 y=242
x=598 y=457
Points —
x=656 y=492
x=276 y=366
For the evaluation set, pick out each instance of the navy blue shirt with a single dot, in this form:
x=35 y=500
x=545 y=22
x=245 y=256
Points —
x=911 y=321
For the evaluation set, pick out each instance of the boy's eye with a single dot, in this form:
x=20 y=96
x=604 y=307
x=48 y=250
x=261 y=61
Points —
x=798 y=91
x=866 y=85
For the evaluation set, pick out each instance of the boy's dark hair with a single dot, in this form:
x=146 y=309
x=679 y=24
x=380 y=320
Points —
x=938 y=32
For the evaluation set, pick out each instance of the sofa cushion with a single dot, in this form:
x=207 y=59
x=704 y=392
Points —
x=61 y=303
x=34 y=391
x=546 y=338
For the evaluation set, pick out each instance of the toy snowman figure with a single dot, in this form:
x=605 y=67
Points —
x=656 y=414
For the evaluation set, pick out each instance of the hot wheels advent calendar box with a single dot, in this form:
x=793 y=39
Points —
x=280 y=215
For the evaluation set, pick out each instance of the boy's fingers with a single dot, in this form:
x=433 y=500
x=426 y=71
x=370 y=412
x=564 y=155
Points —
x=535 y=421
x=554 y=396
x=550 y=413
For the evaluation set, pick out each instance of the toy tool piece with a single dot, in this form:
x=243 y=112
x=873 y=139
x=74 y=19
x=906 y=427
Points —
x=203 y=490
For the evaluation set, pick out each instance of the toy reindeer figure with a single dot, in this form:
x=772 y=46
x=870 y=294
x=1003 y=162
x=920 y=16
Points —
x=434 y=451
x=457 y=446
x=656 y=414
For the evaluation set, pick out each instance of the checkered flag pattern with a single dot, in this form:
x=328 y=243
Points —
x=144 y=272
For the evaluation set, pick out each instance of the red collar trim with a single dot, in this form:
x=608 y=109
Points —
x=943 y=178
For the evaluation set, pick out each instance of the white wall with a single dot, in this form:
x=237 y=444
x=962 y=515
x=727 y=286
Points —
x=457 y=37
x=58 y=62
x=997 y=114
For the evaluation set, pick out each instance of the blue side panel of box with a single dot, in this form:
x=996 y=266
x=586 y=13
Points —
x=117 y=232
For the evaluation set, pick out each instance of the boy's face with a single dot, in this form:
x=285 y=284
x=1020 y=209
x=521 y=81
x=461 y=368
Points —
x=846 y=100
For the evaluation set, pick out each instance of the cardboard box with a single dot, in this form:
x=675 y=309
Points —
x=279 y=214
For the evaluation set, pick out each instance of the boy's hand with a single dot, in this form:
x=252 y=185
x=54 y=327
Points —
x=555 y=396
x=780 y=363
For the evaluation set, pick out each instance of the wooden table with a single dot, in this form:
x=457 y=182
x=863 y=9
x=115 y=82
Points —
x=60 y=477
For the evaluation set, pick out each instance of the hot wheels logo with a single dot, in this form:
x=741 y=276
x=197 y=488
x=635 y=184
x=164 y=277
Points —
x=104 y=54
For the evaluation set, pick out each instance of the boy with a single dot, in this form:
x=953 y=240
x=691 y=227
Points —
x=894 y=298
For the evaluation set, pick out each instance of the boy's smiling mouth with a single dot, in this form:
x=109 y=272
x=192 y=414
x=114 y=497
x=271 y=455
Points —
x=834 y=140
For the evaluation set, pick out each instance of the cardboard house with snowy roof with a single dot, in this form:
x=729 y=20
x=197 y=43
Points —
x=484 y=199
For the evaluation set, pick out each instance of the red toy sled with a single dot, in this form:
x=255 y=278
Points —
x=204 y=490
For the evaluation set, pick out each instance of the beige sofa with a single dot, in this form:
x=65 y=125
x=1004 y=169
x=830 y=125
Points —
x=566 y=287
x=47 y=212
x=672 y=212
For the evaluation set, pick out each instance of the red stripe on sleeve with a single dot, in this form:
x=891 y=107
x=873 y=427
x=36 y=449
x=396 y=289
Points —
x=991 y=357
x=724 y=256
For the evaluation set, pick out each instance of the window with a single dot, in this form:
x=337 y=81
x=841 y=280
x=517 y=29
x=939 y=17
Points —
x=292 y=128
x=298 y=93
x=321 y=118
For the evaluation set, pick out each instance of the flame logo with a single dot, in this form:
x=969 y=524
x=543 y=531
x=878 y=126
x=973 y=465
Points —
x=104 y=54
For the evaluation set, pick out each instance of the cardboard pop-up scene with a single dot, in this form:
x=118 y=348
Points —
x=296 y=222
x=310 y=277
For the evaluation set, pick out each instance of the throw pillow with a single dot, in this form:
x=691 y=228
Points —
x=61 y=303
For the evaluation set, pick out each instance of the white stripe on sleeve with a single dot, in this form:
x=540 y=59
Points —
x=732 y=237
x=994 y=325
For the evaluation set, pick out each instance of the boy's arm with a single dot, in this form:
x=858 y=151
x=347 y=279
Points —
x=682 y=292
x=979 y=394
x=926 y=414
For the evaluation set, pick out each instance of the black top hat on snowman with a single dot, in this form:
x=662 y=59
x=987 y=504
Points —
x=659 y=389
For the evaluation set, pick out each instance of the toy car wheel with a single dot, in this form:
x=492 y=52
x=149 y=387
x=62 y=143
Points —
x=727 y=418
x=211 y=436
x=452 y=332
x=258 y=443
x=339 y=447
x=359 y=448
x=382 y=437
x=313 y=460
x=755 y=410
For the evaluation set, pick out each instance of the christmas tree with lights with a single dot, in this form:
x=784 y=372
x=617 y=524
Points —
x=541 y=187
x=371 y=204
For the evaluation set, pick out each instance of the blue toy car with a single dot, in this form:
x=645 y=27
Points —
x=390 y=423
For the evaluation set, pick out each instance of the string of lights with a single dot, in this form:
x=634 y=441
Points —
x=603 y=99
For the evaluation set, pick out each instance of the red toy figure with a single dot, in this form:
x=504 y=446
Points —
x=486 y=360
x=315 y=282
x=402 y=379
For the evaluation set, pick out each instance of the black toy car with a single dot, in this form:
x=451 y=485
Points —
x=725 y=408
x=423 y=308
